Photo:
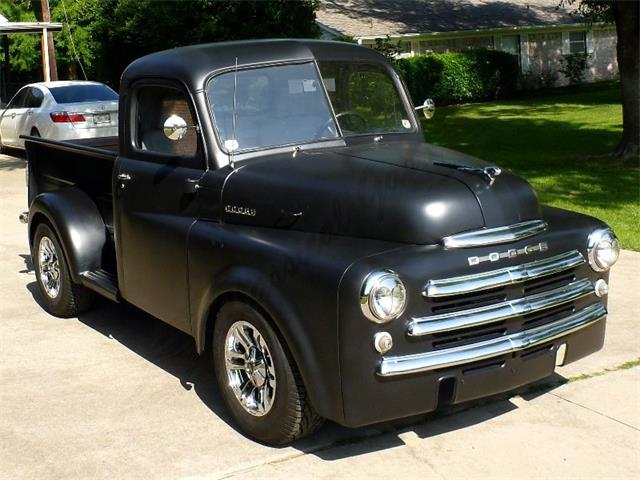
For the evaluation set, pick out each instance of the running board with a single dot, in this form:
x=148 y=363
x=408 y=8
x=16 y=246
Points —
x=101 y=282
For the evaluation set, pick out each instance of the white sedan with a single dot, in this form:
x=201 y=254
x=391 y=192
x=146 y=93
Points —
x=64 y=110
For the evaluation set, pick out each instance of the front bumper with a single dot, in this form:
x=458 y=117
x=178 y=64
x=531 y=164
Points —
x=470 y=331
x=496 y=347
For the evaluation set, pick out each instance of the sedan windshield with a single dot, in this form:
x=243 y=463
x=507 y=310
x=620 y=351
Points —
x=287 y=104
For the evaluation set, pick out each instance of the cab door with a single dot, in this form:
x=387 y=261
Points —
x=155 y=202
x=11 y=116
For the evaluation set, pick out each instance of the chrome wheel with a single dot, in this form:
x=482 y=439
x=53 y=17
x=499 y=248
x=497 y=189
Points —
x=249 y=367
x=49 y=267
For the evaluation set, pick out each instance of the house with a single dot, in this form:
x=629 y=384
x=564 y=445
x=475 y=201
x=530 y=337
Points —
x=539 y=32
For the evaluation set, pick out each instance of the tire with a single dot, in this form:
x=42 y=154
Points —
x=62 y=297
x=289 y=415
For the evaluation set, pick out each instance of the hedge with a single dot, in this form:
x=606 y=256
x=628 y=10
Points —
x=459 y=77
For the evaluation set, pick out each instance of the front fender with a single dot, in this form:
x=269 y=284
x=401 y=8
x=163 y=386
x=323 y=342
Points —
x=294 y=277
x=74 y=217
x=248 y=282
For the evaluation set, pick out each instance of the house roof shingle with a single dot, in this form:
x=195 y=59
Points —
x=365 y=18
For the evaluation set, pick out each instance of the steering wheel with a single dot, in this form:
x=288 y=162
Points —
x=351 y=113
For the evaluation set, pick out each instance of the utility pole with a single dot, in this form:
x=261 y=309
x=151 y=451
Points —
x=49 y=68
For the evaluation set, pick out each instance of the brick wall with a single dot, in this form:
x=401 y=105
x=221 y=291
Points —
x=603 y=64
x=545 y=53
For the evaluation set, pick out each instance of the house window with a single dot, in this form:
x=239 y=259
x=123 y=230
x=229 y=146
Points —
x=510 y=44
x=404 y=47
x=578 y=42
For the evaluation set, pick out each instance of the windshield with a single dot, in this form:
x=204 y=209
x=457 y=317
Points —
x=287 y=104
x=83 y=93
x=282 y=105
x=364 y=98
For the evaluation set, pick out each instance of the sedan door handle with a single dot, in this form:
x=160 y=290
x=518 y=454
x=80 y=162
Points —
x=13 y=115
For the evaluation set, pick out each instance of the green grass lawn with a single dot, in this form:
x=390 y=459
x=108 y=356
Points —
x=560 y=144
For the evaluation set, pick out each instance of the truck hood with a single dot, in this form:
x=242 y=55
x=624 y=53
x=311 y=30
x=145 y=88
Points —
x=403 y=192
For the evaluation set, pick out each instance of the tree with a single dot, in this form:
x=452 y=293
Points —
x=109 y=34
x=625 y=14
x=133 y=28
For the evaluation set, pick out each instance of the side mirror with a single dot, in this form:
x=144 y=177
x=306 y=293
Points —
x=175 y=128
x=428 y=108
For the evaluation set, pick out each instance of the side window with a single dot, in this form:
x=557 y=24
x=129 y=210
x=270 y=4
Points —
x=155 y=104
x=34 y=99
x=18 y=101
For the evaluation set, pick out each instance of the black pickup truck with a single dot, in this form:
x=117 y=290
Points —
x=277 y=201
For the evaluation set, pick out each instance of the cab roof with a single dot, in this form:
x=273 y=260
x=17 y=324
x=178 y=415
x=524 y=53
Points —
x=194 y=64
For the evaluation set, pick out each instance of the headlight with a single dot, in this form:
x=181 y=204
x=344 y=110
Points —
x=383 y=296
x=603 y=249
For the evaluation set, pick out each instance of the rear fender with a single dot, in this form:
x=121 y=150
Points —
x=74 y=217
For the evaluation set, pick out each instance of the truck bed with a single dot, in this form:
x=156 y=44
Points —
x=87 y=164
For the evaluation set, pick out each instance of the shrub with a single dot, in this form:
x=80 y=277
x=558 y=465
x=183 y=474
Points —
x=459 y=77
x=574 y=66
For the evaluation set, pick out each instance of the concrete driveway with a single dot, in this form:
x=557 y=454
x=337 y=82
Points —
x=117 y=394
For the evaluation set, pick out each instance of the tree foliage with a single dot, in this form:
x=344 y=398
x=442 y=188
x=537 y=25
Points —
x=109 y=34
x=456 y=77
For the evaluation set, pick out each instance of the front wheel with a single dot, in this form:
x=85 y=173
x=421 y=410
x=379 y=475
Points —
x=260 y=385
x=60 y=295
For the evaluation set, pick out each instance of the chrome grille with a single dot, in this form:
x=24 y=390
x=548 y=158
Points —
x=475 y=317
x=504 y=276
x=500 y=311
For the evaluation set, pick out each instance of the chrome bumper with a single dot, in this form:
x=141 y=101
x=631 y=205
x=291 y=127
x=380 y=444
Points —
x=516 y=342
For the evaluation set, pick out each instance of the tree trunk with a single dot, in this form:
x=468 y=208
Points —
x=626 y=15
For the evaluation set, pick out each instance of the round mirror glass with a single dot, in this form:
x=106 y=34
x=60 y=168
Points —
x=428 y=108
x=175 y=128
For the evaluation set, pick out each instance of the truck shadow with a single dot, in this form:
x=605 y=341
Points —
x=174 y=352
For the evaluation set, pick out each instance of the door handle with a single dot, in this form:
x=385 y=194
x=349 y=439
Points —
x=29 y=112
x=123 y=179
x=191 y=185
x=13 y=115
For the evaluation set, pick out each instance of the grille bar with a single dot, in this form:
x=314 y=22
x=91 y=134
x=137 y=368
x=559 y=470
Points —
x=495 y=347
x=504 y=276
x=494 y=236
x=500 y=311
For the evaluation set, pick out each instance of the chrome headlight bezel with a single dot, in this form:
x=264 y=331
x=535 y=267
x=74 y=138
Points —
x=374 y=281
x=599 y=239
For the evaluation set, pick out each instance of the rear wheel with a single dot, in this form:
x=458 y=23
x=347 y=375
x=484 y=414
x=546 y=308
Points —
x=259 y=383
x=60 y=295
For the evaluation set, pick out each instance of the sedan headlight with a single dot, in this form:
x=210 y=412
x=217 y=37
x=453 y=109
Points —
x=383 y=296
x=603 y=249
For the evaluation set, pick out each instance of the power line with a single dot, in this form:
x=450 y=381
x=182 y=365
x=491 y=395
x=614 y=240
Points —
x=73 y=45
